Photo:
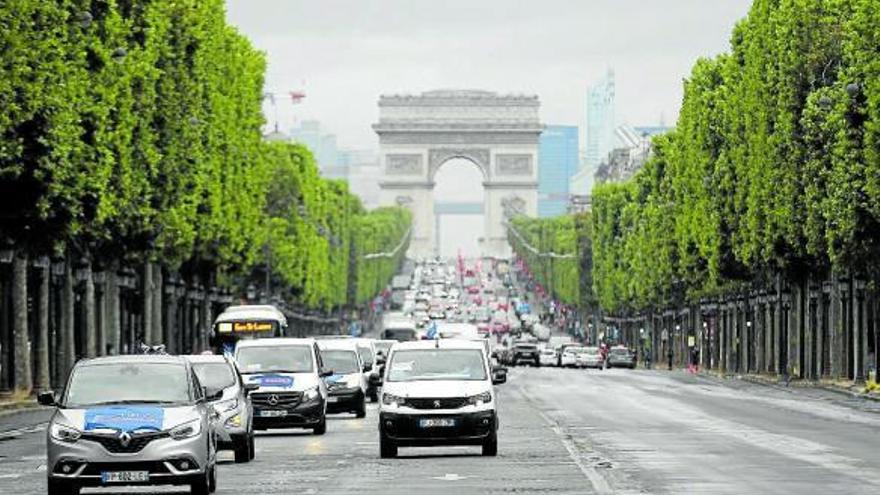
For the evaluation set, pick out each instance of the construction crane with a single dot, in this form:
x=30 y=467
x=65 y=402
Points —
x=295 y=96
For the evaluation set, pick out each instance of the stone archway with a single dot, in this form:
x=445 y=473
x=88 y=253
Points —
x=498 y=133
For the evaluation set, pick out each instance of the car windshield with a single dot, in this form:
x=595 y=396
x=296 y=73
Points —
x=590 y=350
x=340 y=361
x=437 y=364
x=128 y=383
x=279 y=359
x=214 y=376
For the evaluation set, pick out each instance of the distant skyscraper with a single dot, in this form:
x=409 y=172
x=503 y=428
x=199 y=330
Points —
x=557 y=163
x=600 y=121
x=323 y=146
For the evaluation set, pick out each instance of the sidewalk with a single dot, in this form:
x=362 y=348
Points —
x=16 y=401
x=844 y=387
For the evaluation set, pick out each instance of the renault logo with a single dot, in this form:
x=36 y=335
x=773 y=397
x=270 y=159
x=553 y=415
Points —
x=272 y=400
x=124 y=438
x=436 y=404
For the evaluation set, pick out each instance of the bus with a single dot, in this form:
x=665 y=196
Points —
x=246 y=322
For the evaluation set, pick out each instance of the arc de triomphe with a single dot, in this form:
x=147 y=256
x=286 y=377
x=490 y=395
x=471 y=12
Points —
x=498 y=133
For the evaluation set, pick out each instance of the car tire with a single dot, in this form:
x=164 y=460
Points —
x=242 y=451
x=201 y=487
x=212 y=479
x=361 y=411
x=490 y=446
x=321 y=428
x=61 y=487
x=387 y=448
x=374 y=396
x=252 y=450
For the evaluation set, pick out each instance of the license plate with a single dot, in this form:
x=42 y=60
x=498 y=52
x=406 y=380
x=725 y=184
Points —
x=272 y=413
x=332 y=399
x=436 y=423
x=124 y=476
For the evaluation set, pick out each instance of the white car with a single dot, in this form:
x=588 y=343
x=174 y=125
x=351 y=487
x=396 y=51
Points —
x=569 y=356
x=547 y=357
x=347 y=386
x=438 y=392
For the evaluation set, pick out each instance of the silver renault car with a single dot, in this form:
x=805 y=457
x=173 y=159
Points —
x=131 y=420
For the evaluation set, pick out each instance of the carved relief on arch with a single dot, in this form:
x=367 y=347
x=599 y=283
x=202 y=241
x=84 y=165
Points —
x=513 y=205
x=439 y=156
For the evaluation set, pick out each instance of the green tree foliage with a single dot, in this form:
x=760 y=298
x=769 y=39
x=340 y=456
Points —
x=772 y=167
x=555 y=250
x=131 y=131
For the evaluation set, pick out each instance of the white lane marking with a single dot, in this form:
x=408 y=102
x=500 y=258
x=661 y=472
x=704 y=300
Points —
x=41 y=468
x=33 y=458
x=20 y=431
x=450 y=477
x=10 y=476
x=600 y=484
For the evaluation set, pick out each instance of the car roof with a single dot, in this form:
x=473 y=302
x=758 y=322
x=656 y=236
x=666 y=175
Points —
x=133 y=358
x=255 y=312
x=278 y=341
x=206 y=358
x=339 y=344
x=439 y=344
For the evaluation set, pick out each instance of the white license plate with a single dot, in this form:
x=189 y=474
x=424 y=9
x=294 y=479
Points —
x=124 y=476
x=332 y=399
x=436 y=422
x=272 y=413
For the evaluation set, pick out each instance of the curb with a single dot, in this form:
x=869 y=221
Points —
x=792 y=384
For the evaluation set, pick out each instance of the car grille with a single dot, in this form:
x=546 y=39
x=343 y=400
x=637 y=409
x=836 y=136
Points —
x=277 y=399
x=152 y=467
x=114 y=445
x=444 y=403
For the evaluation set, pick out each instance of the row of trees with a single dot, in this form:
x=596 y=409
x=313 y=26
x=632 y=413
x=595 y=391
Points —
x=131 y=138
x=557 y=252
x=768 y=187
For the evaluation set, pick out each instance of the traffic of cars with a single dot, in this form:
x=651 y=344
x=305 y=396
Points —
x=156 y=419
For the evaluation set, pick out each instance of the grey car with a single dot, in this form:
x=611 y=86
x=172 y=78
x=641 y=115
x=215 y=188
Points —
x=228 y=393
x=131 y=420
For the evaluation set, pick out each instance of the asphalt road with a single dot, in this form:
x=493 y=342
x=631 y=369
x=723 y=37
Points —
x=564 y=431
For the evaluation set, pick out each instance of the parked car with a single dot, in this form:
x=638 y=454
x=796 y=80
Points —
x=568 y=356
x=131 y=420
x=228 y=394
x=548 y=357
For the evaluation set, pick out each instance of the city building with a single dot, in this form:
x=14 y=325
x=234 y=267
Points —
x=558 y=161
x=599 y=138
x=363 y=174
x=323 y=147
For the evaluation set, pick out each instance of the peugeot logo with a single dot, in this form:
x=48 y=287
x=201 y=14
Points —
x=124 y=438
x=436 y=404
x=272 y=400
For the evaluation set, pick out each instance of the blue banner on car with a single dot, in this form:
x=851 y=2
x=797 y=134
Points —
x=278 y=381
x=124 y=418
x=334 y=378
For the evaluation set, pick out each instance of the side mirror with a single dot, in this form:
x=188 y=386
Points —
x=368 y=367
x=46 y=398
x=251 y=387
x=325 y=373
x=213 y=394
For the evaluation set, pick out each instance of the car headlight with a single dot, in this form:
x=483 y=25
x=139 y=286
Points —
x=226 y=405
x=311 y=394
x=480 y=399
x=234 y=421
x=64 y=433
x=393 y=400
x=187 y=430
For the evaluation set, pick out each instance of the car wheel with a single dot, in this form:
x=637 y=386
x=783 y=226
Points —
x=242 y=451
x=252 y=450
x=387 y=448
x=61 y=487
x=374 y=396
x=321 y=428
x=490 y=446
x=200 y=487
x=212 y=479
x=361 y=411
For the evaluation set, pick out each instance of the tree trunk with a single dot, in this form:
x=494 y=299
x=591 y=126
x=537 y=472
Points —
x=89 y=314
x=113 y=323
x=42 y=379
x=68 y=301
x=21 y=339
x=148 y=303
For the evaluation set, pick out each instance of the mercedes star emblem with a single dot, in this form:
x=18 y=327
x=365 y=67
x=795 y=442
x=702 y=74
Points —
x=272 y=400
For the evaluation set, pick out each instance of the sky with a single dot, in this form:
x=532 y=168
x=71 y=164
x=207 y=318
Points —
x=344 y=53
